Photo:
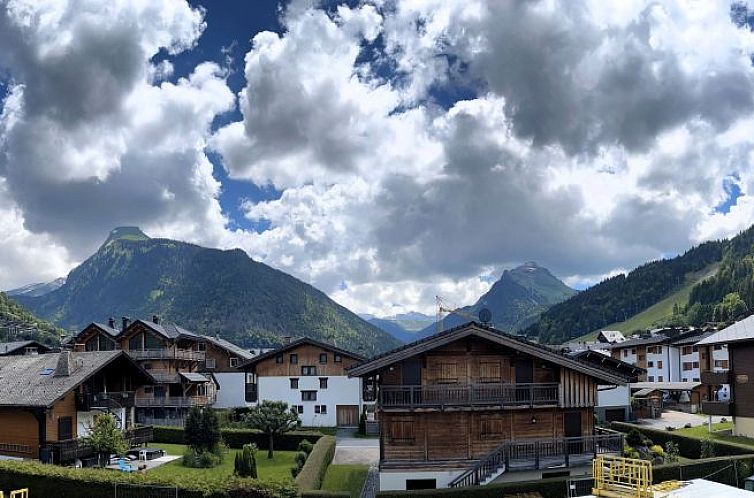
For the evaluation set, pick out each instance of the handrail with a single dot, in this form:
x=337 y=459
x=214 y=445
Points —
x=536 y=449
x=441 y=395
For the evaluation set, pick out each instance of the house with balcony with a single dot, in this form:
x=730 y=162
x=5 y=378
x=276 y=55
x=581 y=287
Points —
x=312 y=377
x=222 y=359
x=474 y=405
x=48 y=402
x=172 y=355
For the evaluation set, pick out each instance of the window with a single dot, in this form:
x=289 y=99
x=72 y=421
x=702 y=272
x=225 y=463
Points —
x=659 y=379
x=202 y=346
x=489 y=371
x=696 y=364
x=695 y=349
x=685 y=379
x=650 y=364
x=278 y=358
x=337 y=358
x=323 y=382
x=446 y=373
x=294 y=358
x=308 y=395
x=234 y=362
x=298 y=409
x=625 y=353
x=687 y=365
x=210 y=363
x=717 y=347
x=147 y=389
x=401 y=432
x=659 y=363
x=320 y=409
x=323 y=357
x=152 y=343
x=721 y=364
x=633 y=350
x=490 y=427
x=294 y=383
x=696 y=379
x=201 y=390
x=650 y=378
x=686 y=350
x=308 y=370
x=134 y=343
x=658 y=349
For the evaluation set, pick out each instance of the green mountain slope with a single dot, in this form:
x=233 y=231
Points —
x=621 y=297
x=662 y=311
x=516 y=300
x=206 y=290
x=17 y=323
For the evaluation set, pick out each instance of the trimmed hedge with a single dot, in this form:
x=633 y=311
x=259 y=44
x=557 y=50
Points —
x=716 y=469
x=313 y=471
x=688 y=446
x=236 y=438
x=551 y=487
x=326 y=494
x=66 y=482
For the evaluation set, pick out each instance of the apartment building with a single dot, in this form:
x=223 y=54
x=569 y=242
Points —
x=311 y=377
x=474 y=405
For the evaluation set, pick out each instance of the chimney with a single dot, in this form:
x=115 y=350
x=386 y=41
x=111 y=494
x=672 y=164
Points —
x=286 y=339
x=65 y=365
x=155 y=319
x=125 y=321
x=111 y=322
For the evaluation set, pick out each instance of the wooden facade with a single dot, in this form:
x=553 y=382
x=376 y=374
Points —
x=289 y=362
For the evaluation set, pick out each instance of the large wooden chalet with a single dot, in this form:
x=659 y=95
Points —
x=473 y=405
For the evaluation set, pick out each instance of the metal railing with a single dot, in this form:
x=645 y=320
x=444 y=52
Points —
x=166 y=354
x=174 y=401
x=544 y=394
x=534 y=453
x=118 y=399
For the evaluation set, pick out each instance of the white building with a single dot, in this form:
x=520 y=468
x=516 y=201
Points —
x=311 y=377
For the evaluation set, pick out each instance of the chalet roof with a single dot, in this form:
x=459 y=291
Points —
x=491 y=334
x=604 y=361
x=741 y=331
x=167 y=330
x=639 y=341
x=12 y=347
x=641 y=393
x=612 y=336
x=31 y=380
x=666 y=386
x=297 y=343
x=194 y=377
x=229 y=346
x=112 y=332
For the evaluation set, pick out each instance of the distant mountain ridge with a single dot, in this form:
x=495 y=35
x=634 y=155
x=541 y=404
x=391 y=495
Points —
x=210 y=291
x=17 y=323
x=515 y=300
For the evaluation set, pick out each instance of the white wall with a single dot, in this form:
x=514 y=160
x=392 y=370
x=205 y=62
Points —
x=619 y=396
x=694 y=373
x=232 y=392
x=341 y=390
x=396 y=480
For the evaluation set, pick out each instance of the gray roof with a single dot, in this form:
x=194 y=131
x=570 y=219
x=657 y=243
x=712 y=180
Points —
x=107 y=329
x=740 y=331
x=666 y=386
x=643 y=392
x=638 y=341
x=193 y=377
x=11 y=347
x=233 y=348
x=30 y=380
x=168 y=330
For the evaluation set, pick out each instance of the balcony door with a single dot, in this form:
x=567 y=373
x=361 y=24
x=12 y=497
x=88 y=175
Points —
x=412 y=379
x=524 y=371
x=572 y=429
x=65 y=428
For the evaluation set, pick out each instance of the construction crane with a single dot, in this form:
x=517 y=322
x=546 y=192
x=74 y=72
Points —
x=483 y=316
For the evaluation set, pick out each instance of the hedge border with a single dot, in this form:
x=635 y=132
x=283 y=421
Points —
x=325 y=494
x=688 y=446
x=236 y=438
x=551 y=487
x=313 y=471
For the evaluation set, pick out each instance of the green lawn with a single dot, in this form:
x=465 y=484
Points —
x=345 y=478
x=702 y=432
x=275 y=469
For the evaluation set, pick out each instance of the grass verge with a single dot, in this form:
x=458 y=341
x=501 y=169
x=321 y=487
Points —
x=348 y=478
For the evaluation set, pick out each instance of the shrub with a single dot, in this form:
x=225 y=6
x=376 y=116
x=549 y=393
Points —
x=305 y=446
x=246 y=462
x=200 y=459
x=634 y=438
x=236 y=438
x=707 y=449
x=671 y=452
x=657 y=450
x=310 y=477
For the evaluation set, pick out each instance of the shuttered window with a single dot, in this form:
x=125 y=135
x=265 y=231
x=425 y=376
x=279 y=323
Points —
x=490 y=427
x=489 y=371
x=401 y=432
x=446 y=373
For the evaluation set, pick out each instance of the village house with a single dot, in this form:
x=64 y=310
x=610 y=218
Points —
x=222 y=359
x=473 y=405
x=48 y=402
x=22 y=347
x=311 y=377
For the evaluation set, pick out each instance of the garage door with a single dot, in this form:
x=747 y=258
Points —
x=347 y=415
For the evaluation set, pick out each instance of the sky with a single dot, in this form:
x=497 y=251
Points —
x=383 y=151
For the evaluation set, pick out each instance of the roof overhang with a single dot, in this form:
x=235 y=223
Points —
x=495 y=336
x=295 y=344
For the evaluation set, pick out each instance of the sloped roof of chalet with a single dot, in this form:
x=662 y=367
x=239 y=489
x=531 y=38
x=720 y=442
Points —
x=295 y=344
x=691 y=339
x=493 y=335
x=30 y=380
x=666 y=386
x=194 y=377
x=12 y=347
x=621 y=367
x=741 y=331
x=639 y=341
x=613 y=336
x=167 y=330
x=233 y=348
x=101 y=326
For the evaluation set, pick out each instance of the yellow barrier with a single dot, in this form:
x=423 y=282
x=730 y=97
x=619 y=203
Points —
x=19 y=493
x=617 y=477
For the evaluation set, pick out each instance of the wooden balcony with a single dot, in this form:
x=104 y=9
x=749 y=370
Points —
x=120 y=399
x=173 y=401
x=167 y=354
x=723 y=408
x=716 y=378
x=71 y=449
x=469 y=395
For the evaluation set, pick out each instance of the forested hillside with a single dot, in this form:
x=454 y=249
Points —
x=17 y=323
x=620 y=297
x=207 y=290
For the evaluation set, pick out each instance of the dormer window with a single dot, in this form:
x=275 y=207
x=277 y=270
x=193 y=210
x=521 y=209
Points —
x=202 y=346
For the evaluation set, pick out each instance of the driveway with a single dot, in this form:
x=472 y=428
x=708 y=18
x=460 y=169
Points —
x=677 y=420
x=351 y=449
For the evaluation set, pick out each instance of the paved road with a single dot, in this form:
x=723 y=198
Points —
x=677 y=420
x=350 y=449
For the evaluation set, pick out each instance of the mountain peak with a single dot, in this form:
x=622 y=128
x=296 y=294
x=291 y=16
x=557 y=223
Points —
x=126 y=233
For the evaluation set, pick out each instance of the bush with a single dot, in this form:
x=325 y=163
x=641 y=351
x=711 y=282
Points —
x=200 y=459
x=313 y=471
x=236 y=438
x=305 y=446
x=326 y=494
x=671 y=452
x=634 y=438
x=707 y=449
x=246 y=462
x=657 y=450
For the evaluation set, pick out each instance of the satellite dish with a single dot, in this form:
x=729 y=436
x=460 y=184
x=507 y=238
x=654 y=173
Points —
x=485 y=315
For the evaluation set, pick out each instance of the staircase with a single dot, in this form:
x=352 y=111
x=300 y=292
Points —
x=485 y=470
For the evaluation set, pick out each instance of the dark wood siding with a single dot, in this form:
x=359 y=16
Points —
x=742 y=363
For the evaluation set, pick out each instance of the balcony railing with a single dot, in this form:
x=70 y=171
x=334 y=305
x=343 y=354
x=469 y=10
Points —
x=723 y=408
x=71 y=449
x=119 y=399
x=167 y=354
x=440 y=396
x=537 y=454
x=173 y=401
x=716 y=378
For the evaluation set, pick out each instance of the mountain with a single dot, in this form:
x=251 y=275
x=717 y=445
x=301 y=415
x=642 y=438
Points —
x=402 y=326
x=394 y=328
x=36 y=290
x=207 y=290
x=17 y=323
x=619 y=298
x=516 y=300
